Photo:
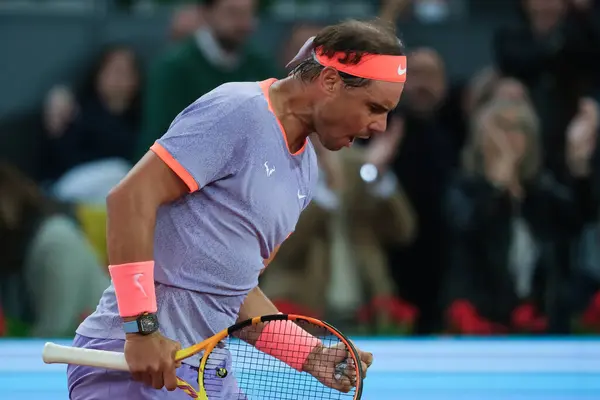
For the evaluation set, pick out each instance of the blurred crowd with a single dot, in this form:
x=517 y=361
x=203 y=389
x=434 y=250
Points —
x=475 y=213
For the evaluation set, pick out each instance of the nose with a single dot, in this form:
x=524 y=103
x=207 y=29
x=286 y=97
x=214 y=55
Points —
x=379 y=124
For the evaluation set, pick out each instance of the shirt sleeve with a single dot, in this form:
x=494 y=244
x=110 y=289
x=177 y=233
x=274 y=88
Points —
x=205 y=143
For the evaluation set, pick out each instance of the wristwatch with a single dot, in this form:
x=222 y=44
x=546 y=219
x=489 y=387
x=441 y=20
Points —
x=145 y=324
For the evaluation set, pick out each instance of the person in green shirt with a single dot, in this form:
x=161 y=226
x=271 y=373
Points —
x=217 y=53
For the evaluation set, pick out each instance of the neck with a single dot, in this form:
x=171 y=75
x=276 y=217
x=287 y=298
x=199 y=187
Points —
x=293 y=106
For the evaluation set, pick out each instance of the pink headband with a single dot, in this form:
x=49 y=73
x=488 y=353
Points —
x=371 y=66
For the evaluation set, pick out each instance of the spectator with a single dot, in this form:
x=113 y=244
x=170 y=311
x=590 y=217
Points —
x=49 y=274
x=581 y=140
x=582 y=157
x=377 y=214
x=217 y=53
x=423 y=164
x=555 y=51
x=100 y=138
x=582 y=163
x=508 y=226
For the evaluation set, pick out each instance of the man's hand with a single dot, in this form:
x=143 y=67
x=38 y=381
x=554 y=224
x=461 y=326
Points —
x=59 y=110
x=581 y=138
x=322 y=363
x=151 y=359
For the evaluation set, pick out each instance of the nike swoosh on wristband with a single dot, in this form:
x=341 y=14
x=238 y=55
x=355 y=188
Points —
x=137 y=283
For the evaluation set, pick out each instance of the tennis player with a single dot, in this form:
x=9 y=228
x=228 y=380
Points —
x=196 y=221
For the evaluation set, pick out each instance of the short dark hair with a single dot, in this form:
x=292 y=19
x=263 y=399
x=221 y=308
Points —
x=355 y=38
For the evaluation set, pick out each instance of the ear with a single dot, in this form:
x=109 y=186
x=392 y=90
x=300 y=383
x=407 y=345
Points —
x=330 y=80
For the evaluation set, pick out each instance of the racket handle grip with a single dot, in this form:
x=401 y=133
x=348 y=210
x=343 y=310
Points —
x=57 y=354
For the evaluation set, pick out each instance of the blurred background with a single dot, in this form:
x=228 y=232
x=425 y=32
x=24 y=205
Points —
x=475 y=214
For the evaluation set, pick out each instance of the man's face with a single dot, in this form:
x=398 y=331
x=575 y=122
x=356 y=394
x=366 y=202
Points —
x=118 y=78
x=503 y=131
x=510 y=89
x=545 y=14
x=345 y=113
x=426 y=83
x=232 y=21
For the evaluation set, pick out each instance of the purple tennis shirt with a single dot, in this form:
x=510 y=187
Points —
x=246 y=194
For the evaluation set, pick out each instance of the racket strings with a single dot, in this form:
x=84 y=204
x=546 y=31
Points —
x=237 y=371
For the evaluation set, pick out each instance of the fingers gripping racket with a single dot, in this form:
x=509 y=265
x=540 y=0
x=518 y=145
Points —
x=232 y=368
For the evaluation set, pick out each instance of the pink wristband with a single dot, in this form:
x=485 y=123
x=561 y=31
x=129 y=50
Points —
x=134 y=288
x=287 y=342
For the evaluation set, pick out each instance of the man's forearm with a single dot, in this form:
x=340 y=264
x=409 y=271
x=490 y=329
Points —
x=284 y=340
x=131 y=207
x=130 y=229
x=255 y=305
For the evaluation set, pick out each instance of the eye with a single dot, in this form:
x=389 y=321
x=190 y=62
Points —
x=377 y=109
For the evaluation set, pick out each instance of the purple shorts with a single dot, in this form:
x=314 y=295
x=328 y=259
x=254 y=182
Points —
x=88 y=383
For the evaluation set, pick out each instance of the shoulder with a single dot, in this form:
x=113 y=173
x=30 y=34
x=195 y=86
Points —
x=247 y=95
x=176 y=53
x=229 y=115
x=232 y=107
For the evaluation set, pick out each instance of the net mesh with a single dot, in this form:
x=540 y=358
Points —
x=236 y=370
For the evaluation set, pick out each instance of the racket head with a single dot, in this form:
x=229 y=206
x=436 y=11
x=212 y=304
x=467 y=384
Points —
x=233 y=369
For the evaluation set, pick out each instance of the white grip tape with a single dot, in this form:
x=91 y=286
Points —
x=57 y=354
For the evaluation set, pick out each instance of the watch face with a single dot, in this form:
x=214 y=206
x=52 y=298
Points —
x=148 y=323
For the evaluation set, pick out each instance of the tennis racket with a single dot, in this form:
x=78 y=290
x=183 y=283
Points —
x=233 y=369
